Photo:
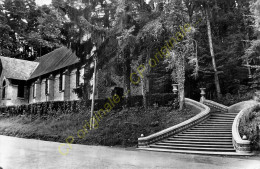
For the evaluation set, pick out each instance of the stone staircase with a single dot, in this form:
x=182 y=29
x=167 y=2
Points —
x=213 y=136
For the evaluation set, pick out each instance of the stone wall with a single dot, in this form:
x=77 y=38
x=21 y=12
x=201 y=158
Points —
x=73 y=96
x=106 y=82
x=58 y=95
x=54 y=93
x=11 y=94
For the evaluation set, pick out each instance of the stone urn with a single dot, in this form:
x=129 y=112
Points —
x=175 y=88
x=202 y=93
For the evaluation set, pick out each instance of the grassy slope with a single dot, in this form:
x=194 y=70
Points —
x=117 y=128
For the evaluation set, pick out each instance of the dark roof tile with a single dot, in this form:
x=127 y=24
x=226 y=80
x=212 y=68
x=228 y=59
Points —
x=17 y=69
x=55 y=60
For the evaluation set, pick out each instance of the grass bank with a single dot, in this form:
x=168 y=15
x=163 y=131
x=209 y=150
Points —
x=118 y=128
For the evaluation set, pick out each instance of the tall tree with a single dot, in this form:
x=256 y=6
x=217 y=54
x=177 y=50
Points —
x=28 y=31
x=216 y=78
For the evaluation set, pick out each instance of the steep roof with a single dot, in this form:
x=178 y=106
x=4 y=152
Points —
x=55 y=60
x=17 y=69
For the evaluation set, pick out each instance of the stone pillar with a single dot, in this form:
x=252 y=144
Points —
x=51 y=88
x=86 y=70
x=66 y=85
x=202 y=93
x=8 y=90
x=82 y=72
x=38 y=90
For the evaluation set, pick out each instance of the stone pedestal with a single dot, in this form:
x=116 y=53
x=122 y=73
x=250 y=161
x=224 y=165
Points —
x=50 y=88
x=66 y=83
x=175 y=88
x=38 y=90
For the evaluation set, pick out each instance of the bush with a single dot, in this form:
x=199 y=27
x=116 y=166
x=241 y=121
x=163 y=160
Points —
x=56 y=108
x=161 y=99
x=229 y=99
x=249 y=126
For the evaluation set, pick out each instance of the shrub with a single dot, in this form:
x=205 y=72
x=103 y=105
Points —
x=249 y=126
x=56 y=108
x=229 y=99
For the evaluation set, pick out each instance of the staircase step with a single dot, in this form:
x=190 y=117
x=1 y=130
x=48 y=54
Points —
x=195 y=145
x=222 y=120
x=213 y=127
x=201 y=139
x=217 y=122
x=221 y=117
x=224 y=115
x=230 y=114
x=207 y=132
x=221 y=142
x=194 y=148
x=204 y=135
x=195 y=152
x=216 y=125
x=210 y=129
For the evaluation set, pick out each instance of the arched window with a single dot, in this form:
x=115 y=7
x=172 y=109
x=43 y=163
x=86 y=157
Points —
x=4 y=86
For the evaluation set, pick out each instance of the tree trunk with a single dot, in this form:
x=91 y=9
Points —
x=181 y=79
x=93 y=95
x=127 y=81
x=144 y=87
x=216 y=79
x=86 y=90
x=144 y=92
x=144 y=82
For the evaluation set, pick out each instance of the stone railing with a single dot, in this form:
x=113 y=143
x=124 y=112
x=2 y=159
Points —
x=216 y=105
x=242 y=146
x=205 y=112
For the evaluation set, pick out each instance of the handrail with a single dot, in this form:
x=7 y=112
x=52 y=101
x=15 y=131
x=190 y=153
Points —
x=216 y=105
x=205 y=112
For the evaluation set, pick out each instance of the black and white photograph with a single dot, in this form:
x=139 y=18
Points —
x=129 y=84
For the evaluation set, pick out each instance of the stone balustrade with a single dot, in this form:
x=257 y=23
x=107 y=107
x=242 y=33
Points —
x=216 y=105
x=144 y=142
x=242 y=146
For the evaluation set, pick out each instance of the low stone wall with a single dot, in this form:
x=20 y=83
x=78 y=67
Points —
x=242 y=146
x=236 y=108
x=205 y=112
x=215 y=105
